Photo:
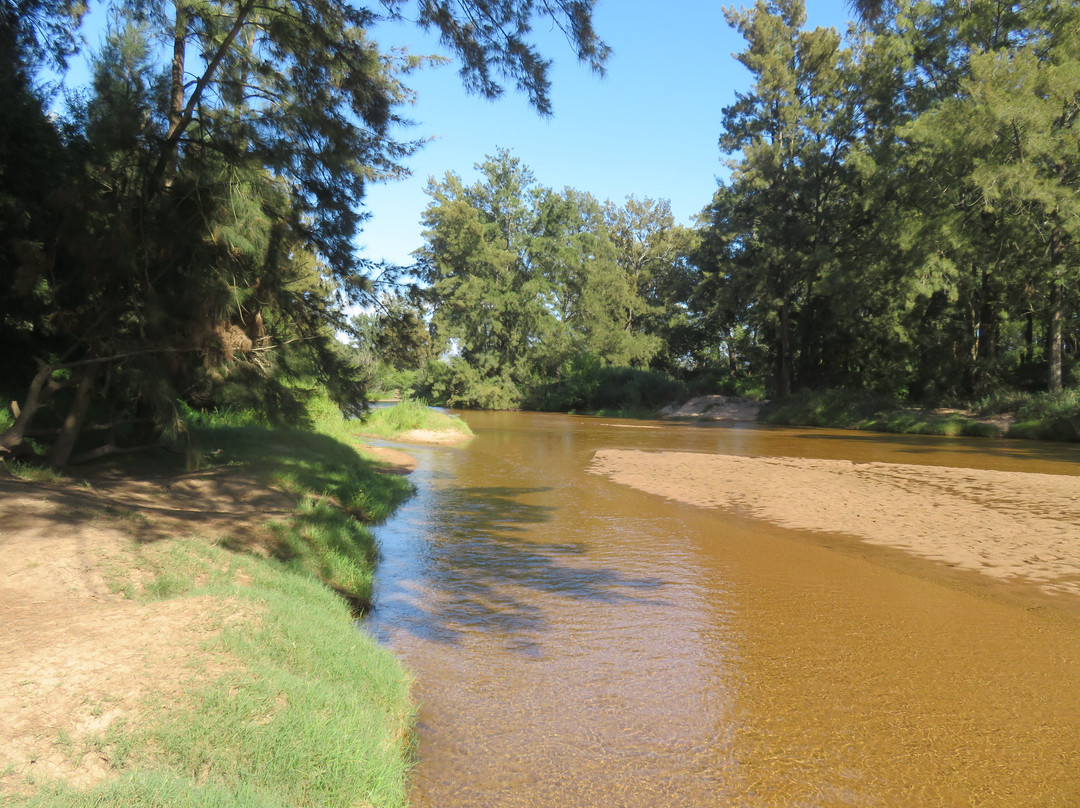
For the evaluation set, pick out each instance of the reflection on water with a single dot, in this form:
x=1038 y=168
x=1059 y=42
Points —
x=578 y=643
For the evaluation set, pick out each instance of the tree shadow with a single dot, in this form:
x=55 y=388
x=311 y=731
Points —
x=478 y=564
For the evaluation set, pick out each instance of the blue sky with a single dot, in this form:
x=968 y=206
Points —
x=648 y=128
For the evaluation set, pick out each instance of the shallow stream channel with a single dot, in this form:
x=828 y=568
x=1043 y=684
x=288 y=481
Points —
x=578 y=642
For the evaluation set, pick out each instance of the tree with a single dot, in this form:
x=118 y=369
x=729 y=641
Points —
x=489 y=298
x=652 y=253
x=1014 y=126
x=210 y=237
x=790 y=133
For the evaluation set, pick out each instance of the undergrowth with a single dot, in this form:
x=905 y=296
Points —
x=1041 y=416
x=406 y=415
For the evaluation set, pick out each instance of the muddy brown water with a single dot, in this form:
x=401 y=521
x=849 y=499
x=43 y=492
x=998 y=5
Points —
x=580 y=643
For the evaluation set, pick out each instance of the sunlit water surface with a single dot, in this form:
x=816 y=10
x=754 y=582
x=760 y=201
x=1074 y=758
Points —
x=578 y=643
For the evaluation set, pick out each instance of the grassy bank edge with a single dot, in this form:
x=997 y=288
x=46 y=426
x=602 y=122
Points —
x=310 y=711
x=405 y=416
x=1053 y=417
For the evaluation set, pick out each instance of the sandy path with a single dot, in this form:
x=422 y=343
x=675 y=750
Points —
x=1002 y=524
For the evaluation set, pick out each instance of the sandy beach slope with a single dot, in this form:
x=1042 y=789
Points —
x=1007 y=525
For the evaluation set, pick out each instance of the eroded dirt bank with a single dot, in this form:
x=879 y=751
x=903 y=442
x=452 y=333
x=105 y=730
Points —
x=1008 y=525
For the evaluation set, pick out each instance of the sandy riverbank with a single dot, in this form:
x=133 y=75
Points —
x=1008 y=525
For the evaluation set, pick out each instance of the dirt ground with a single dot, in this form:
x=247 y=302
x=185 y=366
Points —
x=76 y=656
x=1007 y=525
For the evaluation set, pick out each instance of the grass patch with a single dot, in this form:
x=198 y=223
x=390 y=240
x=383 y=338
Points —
x=842 y=409
x=407 y=415
x=29 y=471
x=338 y=492
x=312 y=712
x=856 y=409
x=1040 y=416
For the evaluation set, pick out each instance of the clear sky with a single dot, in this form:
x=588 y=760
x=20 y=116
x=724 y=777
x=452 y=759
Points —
x=648 y=128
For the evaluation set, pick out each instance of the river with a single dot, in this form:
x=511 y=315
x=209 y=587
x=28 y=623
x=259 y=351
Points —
x=579 y=643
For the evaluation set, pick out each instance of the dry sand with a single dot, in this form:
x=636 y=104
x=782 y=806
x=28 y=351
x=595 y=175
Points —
x=434 y=437
x=1008 y=525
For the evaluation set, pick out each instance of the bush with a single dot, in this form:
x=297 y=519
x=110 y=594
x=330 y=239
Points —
x=835 y=408
x=590 y=387
x=459 y=384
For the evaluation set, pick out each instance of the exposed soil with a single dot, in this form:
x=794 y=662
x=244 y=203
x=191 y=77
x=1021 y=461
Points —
x=76 y=655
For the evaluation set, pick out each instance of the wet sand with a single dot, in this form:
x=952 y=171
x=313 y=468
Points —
x=1008 y=525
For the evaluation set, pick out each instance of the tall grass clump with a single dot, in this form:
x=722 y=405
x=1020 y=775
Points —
x=408 y=414
x=300 y=709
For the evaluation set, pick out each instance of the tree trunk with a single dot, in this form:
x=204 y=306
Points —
x=41 y=389
x=176 y=85
x=733 y=365
x=1029 y=338
x=1054 y=337
x=783 y=360
x=72 y=427
x=1053 y=347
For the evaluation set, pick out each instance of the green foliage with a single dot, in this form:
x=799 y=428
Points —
x=853 y=409
x=527 y=281
x=902 y=211
x=837 y=408
x=1040 y=416
x=458 y=384
x=308 y=465
x=589 y=386
x=187 y=231
x=406 y=415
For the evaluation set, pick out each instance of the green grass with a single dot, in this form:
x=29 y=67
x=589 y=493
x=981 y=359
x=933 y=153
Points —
x=338 y=492
x=1039 y=416
x=858 y=409
x=29 y=471
x=311 y=711
x=406 y=415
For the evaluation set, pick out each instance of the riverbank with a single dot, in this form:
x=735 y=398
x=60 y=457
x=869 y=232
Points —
x=1006 y=525
x=1033 y=416
x=175 y=637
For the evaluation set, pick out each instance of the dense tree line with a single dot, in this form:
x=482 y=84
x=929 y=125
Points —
x=902 y=209
x=184 y=231
x=534 y=292
x=901 y=216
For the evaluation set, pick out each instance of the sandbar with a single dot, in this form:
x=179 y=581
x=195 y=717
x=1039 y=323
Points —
x=1007 y=525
